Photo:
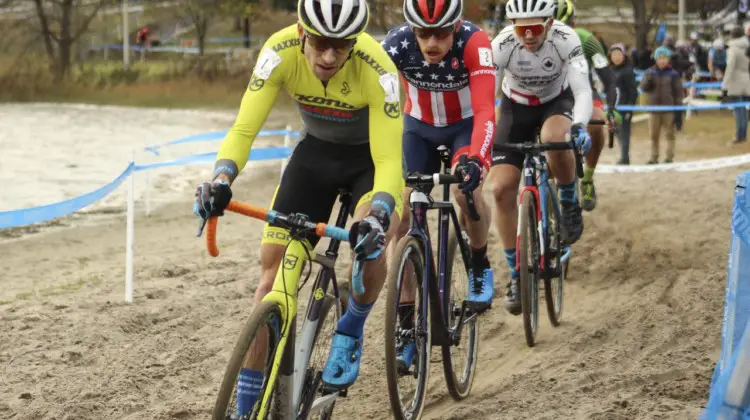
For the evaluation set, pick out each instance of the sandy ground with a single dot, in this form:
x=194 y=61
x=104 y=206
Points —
x=639 y=339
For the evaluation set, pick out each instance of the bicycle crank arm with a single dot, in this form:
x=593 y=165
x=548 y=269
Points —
x=322 y=403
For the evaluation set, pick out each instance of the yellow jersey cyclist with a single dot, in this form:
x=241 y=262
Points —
x=347 y=91
x=449 y=77
x=596 y=57
x=545 y=87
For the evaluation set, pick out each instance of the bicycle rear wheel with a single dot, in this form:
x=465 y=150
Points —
x=407 y=385
x=262 y=332
x=529 y=252
x=556 y=268
x=459 y=359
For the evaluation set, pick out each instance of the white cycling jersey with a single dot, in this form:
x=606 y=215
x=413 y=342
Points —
x=535 y=78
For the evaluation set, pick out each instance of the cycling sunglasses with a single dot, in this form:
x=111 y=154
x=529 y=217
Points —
x=439 y=33
x=322 y=44
x=534 y=29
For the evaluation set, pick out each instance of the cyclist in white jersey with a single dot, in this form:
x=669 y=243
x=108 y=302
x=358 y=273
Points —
x=545 y=87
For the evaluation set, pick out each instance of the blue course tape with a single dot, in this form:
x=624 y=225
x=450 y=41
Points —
x=39 y=214
x=214 y=135
x=47 y=212
x=668 y=108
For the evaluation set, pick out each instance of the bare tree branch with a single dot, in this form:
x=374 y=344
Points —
x=84 y=26
x=623 y=18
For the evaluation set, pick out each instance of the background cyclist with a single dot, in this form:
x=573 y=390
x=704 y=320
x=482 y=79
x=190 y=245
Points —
x=545 y=87
x=596 y=56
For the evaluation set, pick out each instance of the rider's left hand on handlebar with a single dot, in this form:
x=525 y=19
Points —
x=581 y=138
x=211 y=198
x=368 y=238
x=473 y=172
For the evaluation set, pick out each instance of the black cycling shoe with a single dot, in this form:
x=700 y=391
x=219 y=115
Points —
x=512 y=297
x=589 y=195
x=572 y=222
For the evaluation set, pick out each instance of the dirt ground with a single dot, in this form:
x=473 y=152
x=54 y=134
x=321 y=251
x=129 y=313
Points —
x=639 y=338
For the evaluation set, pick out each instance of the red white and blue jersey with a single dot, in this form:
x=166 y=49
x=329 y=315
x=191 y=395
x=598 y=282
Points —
x=461 y=86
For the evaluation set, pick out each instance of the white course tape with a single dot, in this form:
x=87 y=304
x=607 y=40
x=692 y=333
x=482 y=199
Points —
x=696 y=165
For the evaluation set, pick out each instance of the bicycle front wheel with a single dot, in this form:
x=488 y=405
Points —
x=257 y=346
x=557 y=269
x=529 y=253
x=325 y=328
x=407 y=331
x=460 y=357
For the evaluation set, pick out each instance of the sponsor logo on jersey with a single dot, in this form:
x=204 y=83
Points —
x=560 y=34
x=548 y=64
x=392 y=109
x=286 y=44
x=370 y=61
x=330 y=113
x=505 y=42
x=478 y=72
x=576 y=52
x=489 y=129
x=345 y=89
x=317 y=100
x=256 y=83
x=454 y=63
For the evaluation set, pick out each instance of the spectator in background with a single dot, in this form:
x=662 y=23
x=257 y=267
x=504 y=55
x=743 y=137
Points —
x=628 y=90
x=717 y=59
x=736 y=84
x=698 y=56
x=681 y=63
x=142 y=38
x=664 y=87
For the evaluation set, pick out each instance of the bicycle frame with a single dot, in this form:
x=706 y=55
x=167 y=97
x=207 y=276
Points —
x=536 y=178
x=434 y=283
x=289 y=367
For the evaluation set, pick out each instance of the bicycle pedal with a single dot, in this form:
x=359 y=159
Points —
x=328 y=390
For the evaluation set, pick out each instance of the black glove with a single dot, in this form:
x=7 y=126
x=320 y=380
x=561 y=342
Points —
x=612 y=120
x=471 y=171
x=211 y=198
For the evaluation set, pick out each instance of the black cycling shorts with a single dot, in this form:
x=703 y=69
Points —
x=520 y=123
x=317 y=171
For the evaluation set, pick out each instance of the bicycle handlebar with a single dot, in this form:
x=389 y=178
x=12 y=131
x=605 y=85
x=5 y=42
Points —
x=274 y=218
x=421 y=180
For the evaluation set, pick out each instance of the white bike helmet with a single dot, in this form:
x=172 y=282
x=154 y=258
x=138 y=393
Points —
x=432 y=13
x=520 y=9
x=333 y=18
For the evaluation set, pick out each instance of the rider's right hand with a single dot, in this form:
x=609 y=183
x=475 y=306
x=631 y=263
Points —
x=211 y=198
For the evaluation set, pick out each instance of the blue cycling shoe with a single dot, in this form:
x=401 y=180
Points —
x=405 y=357
x=481 y=289
x=342 y=367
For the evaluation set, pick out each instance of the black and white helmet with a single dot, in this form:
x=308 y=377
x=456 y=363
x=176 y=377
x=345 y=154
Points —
x=333 y=18
x=520 y=9
x=432 y=13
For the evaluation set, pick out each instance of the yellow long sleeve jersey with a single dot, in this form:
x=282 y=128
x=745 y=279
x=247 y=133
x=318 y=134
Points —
x=360 y=104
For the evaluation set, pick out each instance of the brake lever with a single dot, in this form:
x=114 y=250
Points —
x=201 y=226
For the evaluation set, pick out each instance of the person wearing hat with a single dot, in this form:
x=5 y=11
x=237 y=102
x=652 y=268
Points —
x=664 y=86
x=628 y=90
